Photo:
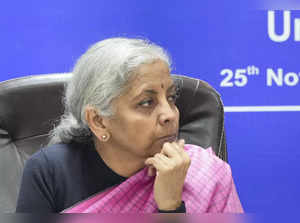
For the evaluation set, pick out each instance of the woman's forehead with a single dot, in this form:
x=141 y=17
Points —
x=157 y=66
x=152 y=75
x=155 y=80
x=152 y=80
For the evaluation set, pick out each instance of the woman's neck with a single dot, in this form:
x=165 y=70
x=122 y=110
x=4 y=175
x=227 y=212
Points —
x=121 y=162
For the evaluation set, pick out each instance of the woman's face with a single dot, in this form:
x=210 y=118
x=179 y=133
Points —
x=146 y=115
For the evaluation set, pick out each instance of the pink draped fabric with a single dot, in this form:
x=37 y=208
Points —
x=208 y=188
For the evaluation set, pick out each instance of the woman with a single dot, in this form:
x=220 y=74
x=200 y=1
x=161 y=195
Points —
x=116 y=148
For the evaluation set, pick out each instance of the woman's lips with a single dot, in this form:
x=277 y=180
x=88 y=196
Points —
x=162 y=140
x=169 y=138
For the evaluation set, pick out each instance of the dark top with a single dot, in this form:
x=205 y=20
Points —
x=57 y=177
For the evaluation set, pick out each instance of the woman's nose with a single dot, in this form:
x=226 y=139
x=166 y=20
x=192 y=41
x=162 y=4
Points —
x=168 y=114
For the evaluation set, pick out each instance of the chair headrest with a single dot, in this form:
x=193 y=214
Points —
x=30 y=106
x=201 y=115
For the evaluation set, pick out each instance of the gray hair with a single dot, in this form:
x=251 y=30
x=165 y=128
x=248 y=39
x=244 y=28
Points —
x=99 y=76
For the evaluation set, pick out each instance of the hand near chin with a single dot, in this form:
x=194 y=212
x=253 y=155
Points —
x=171 y=166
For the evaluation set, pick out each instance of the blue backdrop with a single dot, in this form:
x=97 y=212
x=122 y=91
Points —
x=249 y=55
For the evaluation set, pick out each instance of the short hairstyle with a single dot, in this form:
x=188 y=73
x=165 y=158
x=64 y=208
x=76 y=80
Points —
x=99 y=76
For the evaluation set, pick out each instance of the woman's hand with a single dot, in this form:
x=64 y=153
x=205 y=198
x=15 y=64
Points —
x=171 y=166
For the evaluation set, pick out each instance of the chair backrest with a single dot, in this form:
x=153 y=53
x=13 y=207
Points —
x=30 y=106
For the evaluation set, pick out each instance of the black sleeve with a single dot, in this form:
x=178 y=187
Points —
x=36 y=194
x=180 y=209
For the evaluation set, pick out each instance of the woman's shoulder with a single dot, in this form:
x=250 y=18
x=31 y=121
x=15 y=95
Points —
x=49 y=176
x=54 y=157
x=56 y=152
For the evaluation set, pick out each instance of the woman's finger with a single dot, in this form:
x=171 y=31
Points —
x=179 y=146
x=156 y=163
x=169 y=149
x=151 y=171
x=164 y=159
x=181 y=143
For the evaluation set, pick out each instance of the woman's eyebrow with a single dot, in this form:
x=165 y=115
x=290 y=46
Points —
x=152 y=91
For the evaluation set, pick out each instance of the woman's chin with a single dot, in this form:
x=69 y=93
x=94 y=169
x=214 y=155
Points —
x=157 y=149
x=157 y=146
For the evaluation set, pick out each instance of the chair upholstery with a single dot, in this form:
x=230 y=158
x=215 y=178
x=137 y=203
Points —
x=30 y=107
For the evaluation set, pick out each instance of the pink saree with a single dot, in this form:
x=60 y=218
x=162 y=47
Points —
x=208 y=188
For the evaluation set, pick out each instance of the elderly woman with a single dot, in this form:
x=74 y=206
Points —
x=116 y=150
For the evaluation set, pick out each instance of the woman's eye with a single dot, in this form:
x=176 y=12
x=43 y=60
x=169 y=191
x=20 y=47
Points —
x=146 y=103
x=172 y=98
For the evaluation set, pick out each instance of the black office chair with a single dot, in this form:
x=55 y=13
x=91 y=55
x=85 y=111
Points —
x=30 y=107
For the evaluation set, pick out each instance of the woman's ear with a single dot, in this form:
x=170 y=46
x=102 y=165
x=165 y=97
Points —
x=97 y=123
